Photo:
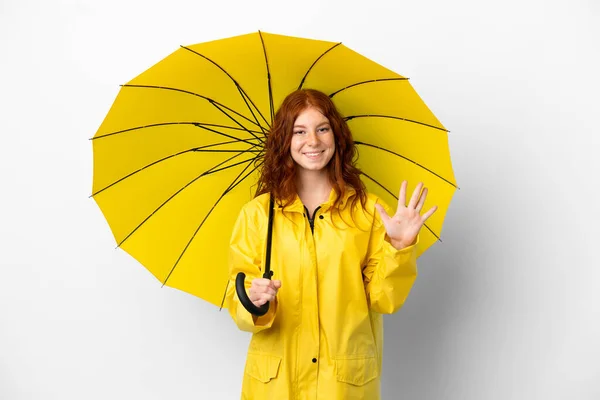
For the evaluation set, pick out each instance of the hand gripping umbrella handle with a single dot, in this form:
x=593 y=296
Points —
x=240 y=287
x=245 y=300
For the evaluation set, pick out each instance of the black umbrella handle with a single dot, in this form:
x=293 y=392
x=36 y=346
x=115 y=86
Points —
x=240 y=288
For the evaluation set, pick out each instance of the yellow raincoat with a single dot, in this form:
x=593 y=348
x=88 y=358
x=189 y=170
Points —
x=322 y=338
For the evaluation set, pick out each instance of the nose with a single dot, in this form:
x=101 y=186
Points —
x=312 y=139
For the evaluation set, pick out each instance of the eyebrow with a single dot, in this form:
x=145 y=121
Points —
x=321 y=124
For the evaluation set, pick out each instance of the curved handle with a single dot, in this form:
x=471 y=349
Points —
x=240 y=288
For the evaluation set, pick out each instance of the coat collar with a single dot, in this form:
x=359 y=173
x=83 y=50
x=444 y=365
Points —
x=297 y=206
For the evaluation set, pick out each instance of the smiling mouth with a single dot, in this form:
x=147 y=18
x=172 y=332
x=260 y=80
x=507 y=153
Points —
x=314 y=154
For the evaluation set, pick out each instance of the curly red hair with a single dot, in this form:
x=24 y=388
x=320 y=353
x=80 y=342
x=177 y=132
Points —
x=278 y=172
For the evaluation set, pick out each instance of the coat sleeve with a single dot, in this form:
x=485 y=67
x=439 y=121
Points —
x=389 y=274
x=245 y=255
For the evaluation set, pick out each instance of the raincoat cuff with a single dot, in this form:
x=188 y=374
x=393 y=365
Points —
x=251 y=323
x=266 y=320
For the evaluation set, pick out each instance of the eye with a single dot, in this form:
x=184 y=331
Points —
x=324 y=129
x=298 y=132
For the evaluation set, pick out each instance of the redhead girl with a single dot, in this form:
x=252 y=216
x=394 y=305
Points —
x=341 y=258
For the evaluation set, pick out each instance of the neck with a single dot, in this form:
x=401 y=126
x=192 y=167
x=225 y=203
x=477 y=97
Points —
x=313 y=186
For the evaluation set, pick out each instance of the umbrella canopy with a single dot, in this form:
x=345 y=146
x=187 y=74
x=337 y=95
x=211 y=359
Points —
x=179 y=152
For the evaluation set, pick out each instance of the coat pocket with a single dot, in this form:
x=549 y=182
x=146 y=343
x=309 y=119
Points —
x=262 y=367
x=356 y=371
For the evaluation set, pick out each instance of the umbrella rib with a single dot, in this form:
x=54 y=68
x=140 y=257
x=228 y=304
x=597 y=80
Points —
x=234 y=120
x=351 y=117
x=208 y=172
x=367 y=82
x=224 y=295
x=262 y=41
x=166 y=158
x=313 y=64
x=169 y=123
x=211 y=101
x=234 y=184
x=247 y=141
x=264 y=131
x=396 y=197
x=203 y=221
x=140 y=170
x=407 y=159
x=239 y=87
x=198 y=150
x=229 y=166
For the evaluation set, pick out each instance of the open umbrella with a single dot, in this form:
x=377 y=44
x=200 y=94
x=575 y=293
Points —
x=179 y=152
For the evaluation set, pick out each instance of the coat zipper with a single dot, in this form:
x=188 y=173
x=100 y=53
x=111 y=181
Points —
x=311 y=220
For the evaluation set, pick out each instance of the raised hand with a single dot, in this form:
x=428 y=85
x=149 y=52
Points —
x=403 y=227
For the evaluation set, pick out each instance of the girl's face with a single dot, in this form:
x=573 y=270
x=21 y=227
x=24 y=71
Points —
x=313 y=143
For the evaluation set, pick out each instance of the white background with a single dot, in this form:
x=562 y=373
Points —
x=507 y=307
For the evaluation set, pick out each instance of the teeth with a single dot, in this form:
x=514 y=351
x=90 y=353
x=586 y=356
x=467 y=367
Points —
x=312 y=154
